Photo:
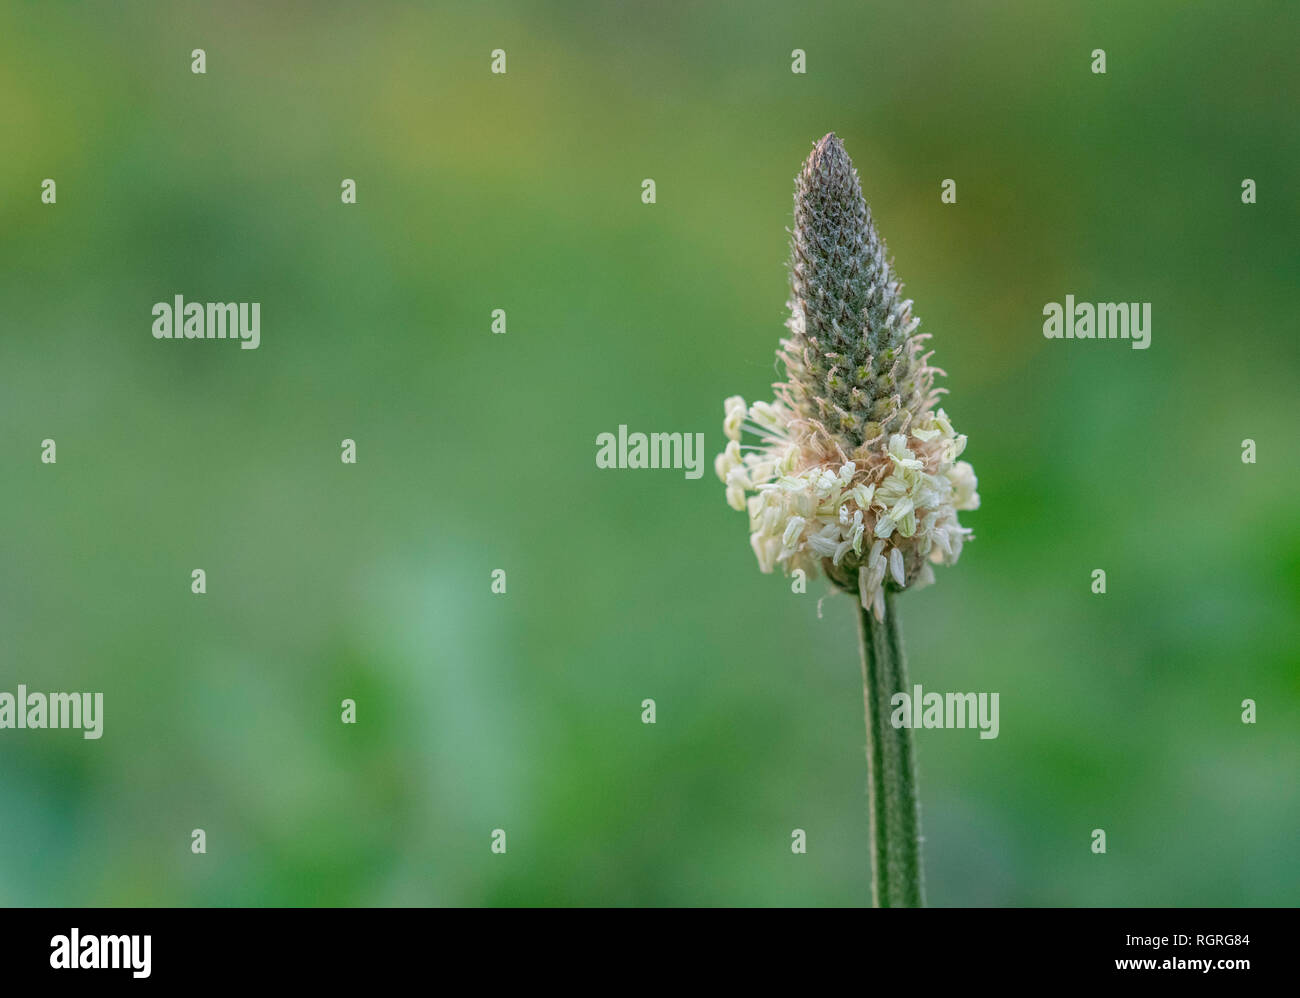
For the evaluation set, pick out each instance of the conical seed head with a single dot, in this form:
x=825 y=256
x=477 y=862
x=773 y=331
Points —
x=853 y=358
x=855 y=471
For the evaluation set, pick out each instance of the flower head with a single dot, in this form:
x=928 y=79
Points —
x=852 y=468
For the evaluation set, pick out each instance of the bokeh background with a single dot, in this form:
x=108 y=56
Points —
x=479 y=711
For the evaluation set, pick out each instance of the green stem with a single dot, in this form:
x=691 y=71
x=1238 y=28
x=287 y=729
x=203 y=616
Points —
x=891 y=766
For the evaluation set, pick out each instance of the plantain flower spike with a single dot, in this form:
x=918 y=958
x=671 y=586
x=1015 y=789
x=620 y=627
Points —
x=852 y=468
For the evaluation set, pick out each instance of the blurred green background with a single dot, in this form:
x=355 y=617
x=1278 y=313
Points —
x=475 y=452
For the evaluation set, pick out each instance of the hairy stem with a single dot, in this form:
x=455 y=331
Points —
x=891 y=766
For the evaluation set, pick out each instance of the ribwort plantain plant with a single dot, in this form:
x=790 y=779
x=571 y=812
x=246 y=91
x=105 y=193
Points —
x=853 y=470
